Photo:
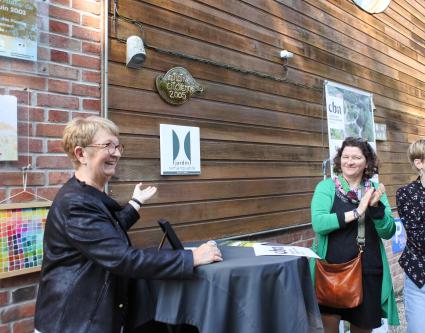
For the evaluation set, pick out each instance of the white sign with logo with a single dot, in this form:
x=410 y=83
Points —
x=180 y=150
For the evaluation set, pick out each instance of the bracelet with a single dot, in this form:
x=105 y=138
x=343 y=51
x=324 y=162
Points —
x=356 y=214
x=136 y=201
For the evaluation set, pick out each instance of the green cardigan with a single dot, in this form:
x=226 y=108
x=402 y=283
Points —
x=325 y=222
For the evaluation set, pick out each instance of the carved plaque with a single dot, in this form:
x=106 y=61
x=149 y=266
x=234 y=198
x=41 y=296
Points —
x=177 y=86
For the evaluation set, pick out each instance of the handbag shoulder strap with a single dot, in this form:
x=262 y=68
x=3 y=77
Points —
x=361 y=239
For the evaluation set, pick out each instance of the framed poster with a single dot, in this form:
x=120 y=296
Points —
x=8 y=128
x=180 y=150
x=349 y=113
x=18 y=29
x=21 y=237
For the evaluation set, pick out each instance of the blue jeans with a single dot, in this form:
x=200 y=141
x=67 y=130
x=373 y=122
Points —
x=414 y=305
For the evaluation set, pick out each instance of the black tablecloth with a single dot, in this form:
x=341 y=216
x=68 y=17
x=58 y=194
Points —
x=242 y=294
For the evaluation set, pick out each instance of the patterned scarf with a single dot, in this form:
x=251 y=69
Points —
x=353 y=195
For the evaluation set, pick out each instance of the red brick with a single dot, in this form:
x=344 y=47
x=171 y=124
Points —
x=85 y=33
x=64 y=72
x=22 y=65
x=54 y=146
x=24 y=129
x=20 y=80
x=59 y=86
x=62 y=42
x=58 y=101
x=64 y=14
x=90 y=76
x=87 y=6
x=84 y=114
x=24 y=326
x=53 y=162
x=66 y=3
x=84 y=61
x=4 y=329
x=16 y=312
x=85 y=90
x=59 y=178
x=22 y=161
x=4 y=298
x=91 y=21
x=30 y=113
x=57 y=116
x=58 y=27
x=91 y=104
x=29 y=145
x=43 y=53
x=59 y=56
x=48 y=192
x=20 y=280
x=50 y=130
x=15 y=178
x=24 y=97
x=93 y=48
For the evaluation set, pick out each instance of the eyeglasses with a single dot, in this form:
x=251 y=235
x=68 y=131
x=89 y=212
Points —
x=109 y=146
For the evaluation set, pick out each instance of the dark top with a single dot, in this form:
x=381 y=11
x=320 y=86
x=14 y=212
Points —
x=411 y=209
x=88 y=263
x=342 y=243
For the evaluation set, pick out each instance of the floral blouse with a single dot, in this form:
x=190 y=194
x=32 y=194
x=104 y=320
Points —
x=411 y=209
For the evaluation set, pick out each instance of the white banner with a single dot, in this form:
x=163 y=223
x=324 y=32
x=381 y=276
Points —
x=349 y=113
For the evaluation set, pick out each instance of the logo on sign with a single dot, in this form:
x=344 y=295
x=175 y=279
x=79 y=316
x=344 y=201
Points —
x=181 y=149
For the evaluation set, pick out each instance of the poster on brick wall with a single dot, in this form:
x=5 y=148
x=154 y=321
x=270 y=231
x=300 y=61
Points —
x=18 y=29
x=8 y=128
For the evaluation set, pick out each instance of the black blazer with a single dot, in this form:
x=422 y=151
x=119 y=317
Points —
x=89 y=261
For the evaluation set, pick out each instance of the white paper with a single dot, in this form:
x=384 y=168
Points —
x=283 y=250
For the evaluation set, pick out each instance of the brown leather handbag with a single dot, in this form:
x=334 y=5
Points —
x=340 y=285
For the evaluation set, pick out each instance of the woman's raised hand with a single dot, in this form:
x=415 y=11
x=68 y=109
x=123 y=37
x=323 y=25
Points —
x=365 y=201
x=206 y=254
x=145 y=194
x=376 y=196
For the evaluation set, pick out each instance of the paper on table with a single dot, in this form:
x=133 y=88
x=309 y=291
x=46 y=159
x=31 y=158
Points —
x=283 y=250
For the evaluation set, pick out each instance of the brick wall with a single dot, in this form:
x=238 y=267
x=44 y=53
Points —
x=62 y=84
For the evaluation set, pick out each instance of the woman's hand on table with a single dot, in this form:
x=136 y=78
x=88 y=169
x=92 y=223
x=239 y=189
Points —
x=206 y=254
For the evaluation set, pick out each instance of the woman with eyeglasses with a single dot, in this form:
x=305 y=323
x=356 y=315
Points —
x=89 y=263
x=336 y=207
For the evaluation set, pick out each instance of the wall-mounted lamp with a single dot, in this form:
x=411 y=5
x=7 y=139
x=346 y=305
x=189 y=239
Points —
x=136 y=53
x=285 y=54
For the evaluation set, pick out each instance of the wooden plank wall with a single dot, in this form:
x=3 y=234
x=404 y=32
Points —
x=262 y=139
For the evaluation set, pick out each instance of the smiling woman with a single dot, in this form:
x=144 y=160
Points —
x=336 y=207
x=89 y=263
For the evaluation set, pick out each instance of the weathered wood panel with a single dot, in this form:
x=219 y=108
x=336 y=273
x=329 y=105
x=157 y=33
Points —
x=263 y=128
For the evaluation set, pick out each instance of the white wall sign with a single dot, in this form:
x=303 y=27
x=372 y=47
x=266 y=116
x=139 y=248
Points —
x=8 y=128
x=381 y=132
x=180 y=150
x=18 y=29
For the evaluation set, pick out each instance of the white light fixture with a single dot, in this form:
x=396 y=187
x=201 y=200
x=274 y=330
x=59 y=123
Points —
x=136 y=53
x=285 y=54
x=373 y=6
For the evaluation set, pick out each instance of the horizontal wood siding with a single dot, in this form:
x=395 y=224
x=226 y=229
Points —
x=263 y=131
